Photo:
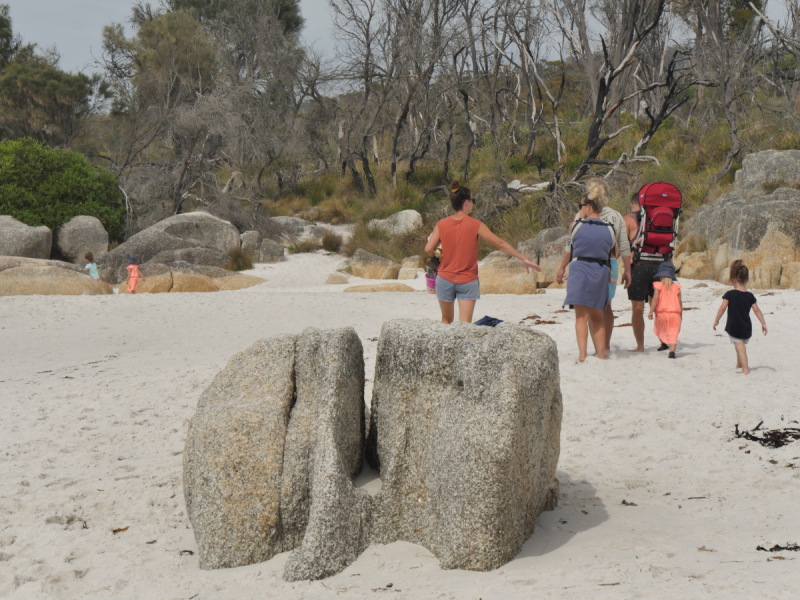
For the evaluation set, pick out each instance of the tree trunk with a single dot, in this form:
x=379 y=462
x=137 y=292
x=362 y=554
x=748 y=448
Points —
x=357 y=182
x=367 y=173
x=447 y=156
x=470 y=133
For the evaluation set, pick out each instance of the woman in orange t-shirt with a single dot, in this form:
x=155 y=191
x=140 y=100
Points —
x=457 y=278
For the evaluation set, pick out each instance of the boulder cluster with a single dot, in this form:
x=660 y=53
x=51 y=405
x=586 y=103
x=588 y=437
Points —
x=184 y=253
x=757 y=222
x=466 y=446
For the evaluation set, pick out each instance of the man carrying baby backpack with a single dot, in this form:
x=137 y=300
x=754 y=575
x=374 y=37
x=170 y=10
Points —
x=652 y=227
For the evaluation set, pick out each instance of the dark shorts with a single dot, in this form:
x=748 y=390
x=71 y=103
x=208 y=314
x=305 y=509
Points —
x=641 y=287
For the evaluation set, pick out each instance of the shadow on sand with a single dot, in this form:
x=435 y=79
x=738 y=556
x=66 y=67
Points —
x=557 y=527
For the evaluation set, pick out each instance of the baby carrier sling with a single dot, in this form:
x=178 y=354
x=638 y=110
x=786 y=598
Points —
x=658 y=218
x=600 y=261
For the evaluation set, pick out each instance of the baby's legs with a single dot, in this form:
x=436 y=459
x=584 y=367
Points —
x=741 y=357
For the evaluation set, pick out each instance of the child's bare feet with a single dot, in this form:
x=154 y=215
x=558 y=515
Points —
x=638 y=349
x=582 y=358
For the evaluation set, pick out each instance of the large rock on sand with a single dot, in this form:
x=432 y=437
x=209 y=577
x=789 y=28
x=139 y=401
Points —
x=400 y=223
x=157 y=279
x=185 y=277
x=233 y=459
x=18 y=239
x=467 y=447
x=208 y=257
x=370 y=266
x=271 y=251
x=697 y=266
x=322 y=514
x=790 y=276
x=49 y=280
x=757 y=221
x=500 y=273
x=293 y=230
x=380 y=287
x=179 y=232
x=271 y=453
x=251 y=243
x=80 y=235
x=550 y=256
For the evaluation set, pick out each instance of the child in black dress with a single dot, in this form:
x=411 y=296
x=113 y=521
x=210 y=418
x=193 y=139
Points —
x=738 y=302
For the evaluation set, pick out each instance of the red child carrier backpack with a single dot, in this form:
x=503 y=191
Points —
x=660 y=210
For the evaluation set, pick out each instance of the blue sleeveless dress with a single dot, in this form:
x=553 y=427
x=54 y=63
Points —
x=587 y=284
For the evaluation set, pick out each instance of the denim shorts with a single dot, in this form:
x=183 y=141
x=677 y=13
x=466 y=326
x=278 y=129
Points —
x=447 y=291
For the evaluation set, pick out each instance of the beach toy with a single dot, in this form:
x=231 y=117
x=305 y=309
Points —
x=431 y=283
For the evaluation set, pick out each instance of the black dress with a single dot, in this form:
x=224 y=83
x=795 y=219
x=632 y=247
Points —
x=739 y=305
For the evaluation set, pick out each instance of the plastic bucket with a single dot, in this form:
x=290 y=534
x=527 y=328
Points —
x=431 y=283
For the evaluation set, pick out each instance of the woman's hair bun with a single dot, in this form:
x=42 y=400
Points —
x=454 y=186
x=598 y=190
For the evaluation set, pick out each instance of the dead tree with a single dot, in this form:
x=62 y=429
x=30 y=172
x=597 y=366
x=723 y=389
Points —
x=640 y=19
x=423 y=30
x=728 y=54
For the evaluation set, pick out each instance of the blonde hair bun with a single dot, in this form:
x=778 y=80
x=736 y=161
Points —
x=598 y=190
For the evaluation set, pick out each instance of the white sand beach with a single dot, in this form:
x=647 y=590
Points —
x=97 y=391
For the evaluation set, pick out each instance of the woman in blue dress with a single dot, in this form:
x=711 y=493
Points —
x=589 y=276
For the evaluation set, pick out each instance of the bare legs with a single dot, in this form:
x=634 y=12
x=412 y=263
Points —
x=741 y=357
x=608 y=320
x=465 y=310
x=583 y=316
x=637 y=321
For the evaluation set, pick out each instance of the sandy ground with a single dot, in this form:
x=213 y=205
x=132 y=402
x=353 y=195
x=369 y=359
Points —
x=96 y=394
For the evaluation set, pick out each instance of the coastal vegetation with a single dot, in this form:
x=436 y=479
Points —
x=221 y=106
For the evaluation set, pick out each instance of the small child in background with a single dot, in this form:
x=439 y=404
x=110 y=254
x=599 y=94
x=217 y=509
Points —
x=91 y=266
x=667 y=307
x=738 y=302
x=133 y=274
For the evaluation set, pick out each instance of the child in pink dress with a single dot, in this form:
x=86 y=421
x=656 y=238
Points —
x=133 y=274
x=667 y=307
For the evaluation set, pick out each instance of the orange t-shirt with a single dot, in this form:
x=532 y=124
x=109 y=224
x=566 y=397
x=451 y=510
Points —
x=459 y=249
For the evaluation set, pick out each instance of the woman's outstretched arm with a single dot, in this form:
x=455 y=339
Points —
x=504 y=246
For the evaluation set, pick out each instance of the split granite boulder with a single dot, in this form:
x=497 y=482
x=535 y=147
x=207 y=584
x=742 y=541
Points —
x=467 y=447
x=271 y=452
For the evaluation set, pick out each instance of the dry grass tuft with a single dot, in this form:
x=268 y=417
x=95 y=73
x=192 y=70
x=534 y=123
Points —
x=331 y=242
x=239 y=260
x=309 y=245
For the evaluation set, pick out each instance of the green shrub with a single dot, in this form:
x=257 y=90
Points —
x=40 y=185
x=240 y=260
